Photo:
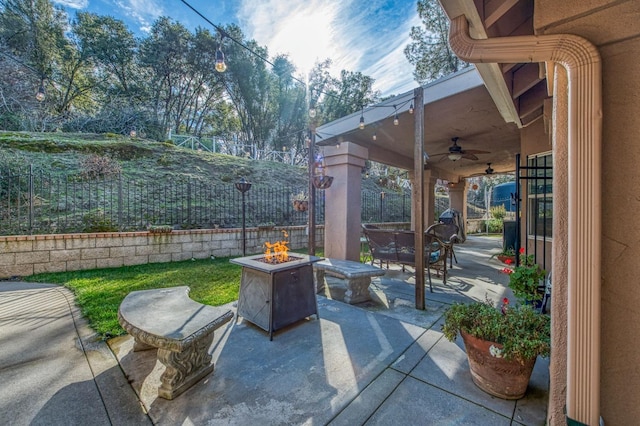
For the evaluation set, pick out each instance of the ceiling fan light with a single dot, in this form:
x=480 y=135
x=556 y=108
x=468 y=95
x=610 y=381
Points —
x=454 y=156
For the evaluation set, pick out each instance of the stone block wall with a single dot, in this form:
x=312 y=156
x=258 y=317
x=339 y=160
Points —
x=21 y=256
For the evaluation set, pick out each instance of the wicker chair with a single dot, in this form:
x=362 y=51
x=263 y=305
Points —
x=448 y=234
x=399 y=247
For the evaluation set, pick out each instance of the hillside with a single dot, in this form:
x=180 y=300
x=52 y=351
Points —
x=64 y=153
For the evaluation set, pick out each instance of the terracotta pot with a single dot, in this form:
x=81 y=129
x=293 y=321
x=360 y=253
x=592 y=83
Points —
x=507 y=379
x=503 y=258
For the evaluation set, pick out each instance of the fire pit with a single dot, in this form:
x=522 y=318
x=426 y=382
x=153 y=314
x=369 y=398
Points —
x=275 y=295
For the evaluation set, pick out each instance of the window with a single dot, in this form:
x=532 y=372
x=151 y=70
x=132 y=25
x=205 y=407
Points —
x=540 y=196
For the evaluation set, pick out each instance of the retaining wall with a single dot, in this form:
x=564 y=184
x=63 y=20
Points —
x=25 y=255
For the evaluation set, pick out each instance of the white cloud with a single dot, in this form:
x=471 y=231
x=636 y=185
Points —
x=144 y=12
x=358 y=36
x=73 y=4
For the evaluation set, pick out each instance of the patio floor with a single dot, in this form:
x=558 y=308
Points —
x=375 y=363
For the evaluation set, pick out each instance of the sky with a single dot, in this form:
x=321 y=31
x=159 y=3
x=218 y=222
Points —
x=365 y=36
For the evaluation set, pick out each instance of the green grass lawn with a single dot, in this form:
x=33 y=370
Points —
x=99 y=292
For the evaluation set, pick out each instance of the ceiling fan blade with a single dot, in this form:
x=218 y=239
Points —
x=469 y=156
x=474 y=151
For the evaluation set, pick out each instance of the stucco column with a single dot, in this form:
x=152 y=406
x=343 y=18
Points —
x=458 y=198
x=343 y=200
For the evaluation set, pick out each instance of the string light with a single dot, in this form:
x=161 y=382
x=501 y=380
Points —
x=40 y=95
x=411 y=108
x=395 y=119
x=375 y=136
x=220 y=65
x=361 y=125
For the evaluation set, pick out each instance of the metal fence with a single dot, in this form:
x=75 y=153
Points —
x=40 y=203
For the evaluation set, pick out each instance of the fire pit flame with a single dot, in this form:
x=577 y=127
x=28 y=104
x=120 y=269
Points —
x=277 y=252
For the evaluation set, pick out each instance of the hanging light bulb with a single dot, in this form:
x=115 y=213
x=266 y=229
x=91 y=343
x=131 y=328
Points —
x=395 y=119
x=375 y=136
x=220 y=65
x=411 y=108
x=40 y=95
x=312 y=112
x=361 y=125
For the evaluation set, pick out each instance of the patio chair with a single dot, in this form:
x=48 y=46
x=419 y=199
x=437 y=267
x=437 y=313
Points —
x=448 y=234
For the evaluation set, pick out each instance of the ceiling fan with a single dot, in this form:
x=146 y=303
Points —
x=456 y=152
x=488 y=171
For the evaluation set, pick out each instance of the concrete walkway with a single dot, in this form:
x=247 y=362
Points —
x=376 y=363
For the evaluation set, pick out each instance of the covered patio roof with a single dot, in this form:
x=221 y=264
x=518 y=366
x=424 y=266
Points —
x=458 y=105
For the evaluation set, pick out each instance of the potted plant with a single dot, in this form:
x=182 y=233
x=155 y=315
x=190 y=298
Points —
x=501 y=344
x=300 y=202
x=526 y=279
x=507 y=256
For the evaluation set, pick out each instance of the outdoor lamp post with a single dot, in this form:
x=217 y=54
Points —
x=243 y=186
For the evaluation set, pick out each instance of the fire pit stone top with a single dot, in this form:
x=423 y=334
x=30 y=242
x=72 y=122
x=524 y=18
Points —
x=258 y=262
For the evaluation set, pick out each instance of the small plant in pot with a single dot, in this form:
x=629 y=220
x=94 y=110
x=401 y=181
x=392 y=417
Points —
x=502 y=344
x=526 y=280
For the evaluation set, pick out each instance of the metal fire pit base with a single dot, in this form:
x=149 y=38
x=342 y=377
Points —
x=275 y=296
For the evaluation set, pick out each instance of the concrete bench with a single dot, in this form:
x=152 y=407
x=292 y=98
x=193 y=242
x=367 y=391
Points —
x=181 y=328
x=358 y=276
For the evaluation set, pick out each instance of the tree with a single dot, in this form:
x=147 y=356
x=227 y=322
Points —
x=251 y=88
x=109 y=43
x=339 y=97
x=429 y=52
x=32 y=30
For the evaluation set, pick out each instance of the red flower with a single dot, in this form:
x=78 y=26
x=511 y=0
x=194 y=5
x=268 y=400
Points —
x=521 y=250
x=508 y=261
x=505 y=306
x=507 y=271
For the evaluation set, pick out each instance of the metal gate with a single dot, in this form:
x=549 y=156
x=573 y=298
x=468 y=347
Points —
x=537 y=175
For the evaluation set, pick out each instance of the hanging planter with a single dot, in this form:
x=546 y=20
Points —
x=300 y=202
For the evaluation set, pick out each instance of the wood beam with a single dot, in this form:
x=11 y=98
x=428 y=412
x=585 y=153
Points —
x=524 y=78
x=495 y=9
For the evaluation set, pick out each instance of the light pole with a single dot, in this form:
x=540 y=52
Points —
x=243 y=186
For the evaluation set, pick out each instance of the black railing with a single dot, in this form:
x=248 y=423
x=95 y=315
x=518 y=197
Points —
x=40 y=203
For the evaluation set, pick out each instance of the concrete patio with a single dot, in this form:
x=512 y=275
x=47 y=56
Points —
x=379 y=362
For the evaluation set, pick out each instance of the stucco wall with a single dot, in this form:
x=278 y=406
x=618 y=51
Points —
x=613 y=27
x=22 y=256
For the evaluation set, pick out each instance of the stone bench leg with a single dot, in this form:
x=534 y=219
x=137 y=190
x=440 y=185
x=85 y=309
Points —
x=357 y=290
x=185 y=368
x=320 y=281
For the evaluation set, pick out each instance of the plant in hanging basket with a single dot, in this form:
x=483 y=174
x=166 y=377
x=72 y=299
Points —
x=300 y=202
x=502 y=344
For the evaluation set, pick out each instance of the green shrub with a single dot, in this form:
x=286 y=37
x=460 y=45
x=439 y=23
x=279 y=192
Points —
x=498 y=212
x=96 y=221
x=494 y=226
